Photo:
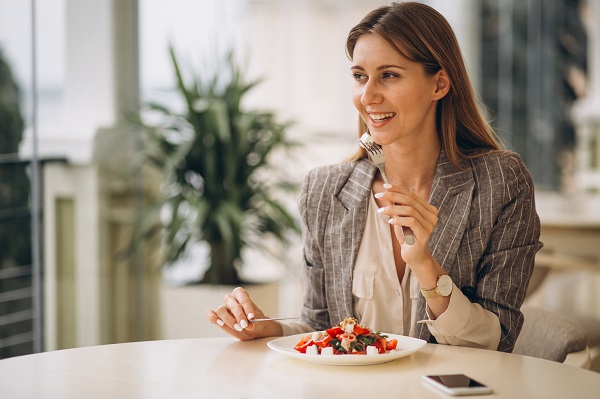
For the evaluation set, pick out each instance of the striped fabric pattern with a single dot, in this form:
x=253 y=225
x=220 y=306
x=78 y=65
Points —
x=486 y=237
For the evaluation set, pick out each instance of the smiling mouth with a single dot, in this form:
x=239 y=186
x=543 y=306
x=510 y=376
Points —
x=381 y=117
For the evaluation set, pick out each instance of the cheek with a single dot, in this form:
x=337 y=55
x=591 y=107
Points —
x=356 y=96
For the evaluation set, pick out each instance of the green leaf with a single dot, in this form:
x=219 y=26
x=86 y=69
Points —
x=220 y=185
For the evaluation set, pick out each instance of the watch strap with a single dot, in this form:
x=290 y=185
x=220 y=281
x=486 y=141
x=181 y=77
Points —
x=433 y=293
x=441 y=288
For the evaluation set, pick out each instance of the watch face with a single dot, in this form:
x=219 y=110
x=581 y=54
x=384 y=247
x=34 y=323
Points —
x=444 y=285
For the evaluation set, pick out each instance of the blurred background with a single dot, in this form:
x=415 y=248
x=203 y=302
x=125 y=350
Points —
x=82 y=194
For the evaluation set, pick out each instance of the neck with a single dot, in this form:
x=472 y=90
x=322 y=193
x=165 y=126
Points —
x=412 y=166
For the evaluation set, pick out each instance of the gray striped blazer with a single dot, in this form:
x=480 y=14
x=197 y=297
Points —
x=486 y=237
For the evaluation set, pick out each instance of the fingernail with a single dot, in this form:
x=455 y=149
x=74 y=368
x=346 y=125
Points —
x=237 y=327
x=391 y=220
x=380 y=210
x=378 y=195
x=387 y=185
x=220 y=322
x=250 y=316
x=244 y=323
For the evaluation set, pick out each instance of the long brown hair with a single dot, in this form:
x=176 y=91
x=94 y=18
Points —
x=421 y=34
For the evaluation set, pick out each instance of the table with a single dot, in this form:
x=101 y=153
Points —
x=227 y=368
x=570 y=231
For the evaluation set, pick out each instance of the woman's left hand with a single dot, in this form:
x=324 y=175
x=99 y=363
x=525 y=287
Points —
x=406 y=208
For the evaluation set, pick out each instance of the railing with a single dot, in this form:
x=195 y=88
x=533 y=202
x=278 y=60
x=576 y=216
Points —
x=19 y=314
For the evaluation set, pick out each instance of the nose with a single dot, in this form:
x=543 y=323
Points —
x=371 y=93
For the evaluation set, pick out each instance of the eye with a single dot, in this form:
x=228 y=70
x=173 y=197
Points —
x=389 y=75
x=359 y=77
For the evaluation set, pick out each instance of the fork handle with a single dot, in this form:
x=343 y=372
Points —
x=407 y=233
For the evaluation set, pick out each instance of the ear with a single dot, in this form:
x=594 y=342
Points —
x=442 y=84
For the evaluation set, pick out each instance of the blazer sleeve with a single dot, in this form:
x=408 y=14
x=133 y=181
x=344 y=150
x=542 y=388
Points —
x=507 y=263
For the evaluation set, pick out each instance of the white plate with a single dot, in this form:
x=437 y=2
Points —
x=406 y=346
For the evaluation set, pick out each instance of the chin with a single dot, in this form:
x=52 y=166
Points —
x=381 y=138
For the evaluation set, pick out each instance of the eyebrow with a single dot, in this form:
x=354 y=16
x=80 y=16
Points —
x=379 y=68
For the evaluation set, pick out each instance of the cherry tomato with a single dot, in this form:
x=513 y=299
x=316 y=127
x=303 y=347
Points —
x=335 y=331
x=358 y=330
x=391 y=344
x=321 y=343
x=380 y=345
x=304 y=343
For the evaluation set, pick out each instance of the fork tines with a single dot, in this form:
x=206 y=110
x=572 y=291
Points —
x=371 y=147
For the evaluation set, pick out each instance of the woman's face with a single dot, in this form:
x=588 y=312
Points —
x=393 y=95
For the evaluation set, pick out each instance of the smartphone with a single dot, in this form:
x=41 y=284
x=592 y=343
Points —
x=456 y=384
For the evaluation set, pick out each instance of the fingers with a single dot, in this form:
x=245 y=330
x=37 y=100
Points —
x=411 y=215
x=218 y=318
x=241 y=307
x=213 y=318
x=408 y=209
x=234 y=316
x=402 y=195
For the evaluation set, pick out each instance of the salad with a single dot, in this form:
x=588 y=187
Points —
x=348 y=337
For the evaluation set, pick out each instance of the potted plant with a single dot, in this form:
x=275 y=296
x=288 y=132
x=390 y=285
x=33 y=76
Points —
x=220 y=186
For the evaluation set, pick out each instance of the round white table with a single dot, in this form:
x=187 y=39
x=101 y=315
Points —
x=227 y=368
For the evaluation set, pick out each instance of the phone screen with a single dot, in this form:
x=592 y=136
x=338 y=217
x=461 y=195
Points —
x=456 y=381
x=457 y=384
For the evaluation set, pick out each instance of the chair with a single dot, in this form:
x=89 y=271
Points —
x=553 y=266
x=552 y=336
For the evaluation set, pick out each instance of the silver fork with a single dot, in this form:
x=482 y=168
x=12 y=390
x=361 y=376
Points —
x=376 y=156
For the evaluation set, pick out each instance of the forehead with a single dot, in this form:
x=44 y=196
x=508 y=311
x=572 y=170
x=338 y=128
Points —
x=371 y=47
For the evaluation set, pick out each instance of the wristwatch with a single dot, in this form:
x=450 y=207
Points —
x=443 y=288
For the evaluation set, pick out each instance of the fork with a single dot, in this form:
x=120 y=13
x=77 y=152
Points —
x=273 y=319
x=378 y=159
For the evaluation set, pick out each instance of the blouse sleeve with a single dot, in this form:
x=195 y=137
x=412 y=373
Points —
x=466 y=324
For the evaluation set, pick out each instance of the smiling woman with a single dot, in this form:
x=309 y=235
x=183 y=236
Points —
x=476 y=230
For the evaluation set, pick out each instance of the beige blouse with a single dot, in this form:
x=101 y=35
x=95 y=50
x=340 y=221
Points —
x=387 y=305
x=381 y=302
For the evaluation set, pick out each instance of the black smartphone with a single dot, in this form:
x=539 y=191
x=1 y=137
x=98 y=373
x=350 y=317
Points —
x=456 y=384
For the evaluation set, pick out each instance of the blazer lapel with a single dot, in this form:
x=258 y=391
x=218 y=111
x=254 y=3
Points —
x=451 y=193
x=346 y=225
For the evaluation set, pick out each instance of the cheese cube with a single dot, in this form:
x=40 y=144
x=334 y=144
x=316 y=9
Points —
x=328 y=351
x=366 y=138
x=312 y=350
x=372 y=350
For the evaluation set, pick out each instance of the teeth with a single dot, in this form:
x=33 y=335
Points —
x=380 y=117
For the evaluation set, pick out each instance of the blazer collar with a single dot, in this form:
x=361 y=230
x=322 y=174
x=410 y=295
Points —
x=447 y=181
x=358 y=185
x=451 y=193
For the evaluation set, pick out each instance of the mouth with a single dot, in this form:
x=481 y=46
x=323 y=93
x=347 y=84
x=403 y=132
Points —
x=378 y=118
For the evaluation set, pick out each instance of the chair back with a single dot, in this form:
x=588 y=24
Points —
x=549 y=335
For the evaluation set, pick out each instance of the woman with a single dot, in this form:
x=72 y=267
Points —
x=469 y=203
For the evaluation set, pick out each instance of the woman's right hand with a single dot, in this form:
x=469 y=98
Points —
x=236 y=314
